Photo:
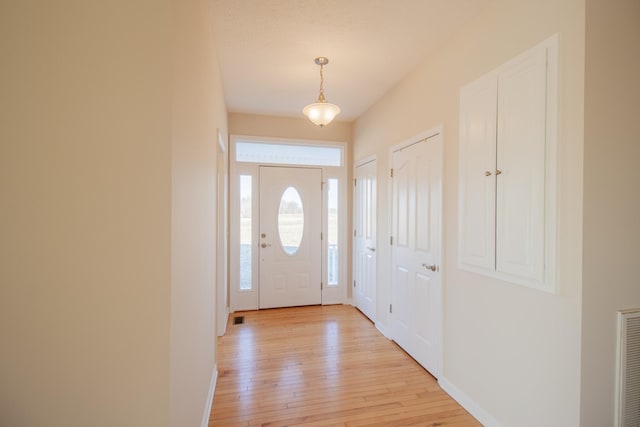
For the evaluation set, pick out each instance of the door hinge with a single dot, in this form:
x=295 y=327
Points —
x=321 y=286
x=390 y=308
x=321 y=236
x=391 y=173
x=354 y=232
x=354 y=283
x=391 y=240
x=355 y=182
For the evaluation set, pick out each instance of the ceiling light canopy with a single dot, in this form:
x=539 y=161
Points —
x=321 y=112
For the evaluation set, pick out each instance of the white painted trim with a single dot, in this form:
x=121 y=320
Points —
x=248 y=300
x=364 y=161
x=467 y=403
x=222 y=328
x=209 y=403
x=221 y=141
x=416 y=139
x=384 y=330
x=551 y=167
x=222 y=235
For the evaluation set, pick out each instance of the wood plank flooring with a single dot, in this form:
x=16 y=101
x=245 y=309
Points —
x=323 y=366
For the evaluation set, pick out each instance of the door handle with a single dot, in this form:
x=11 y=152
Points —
x=431 y=267
x=265 y=245
x=371 y=249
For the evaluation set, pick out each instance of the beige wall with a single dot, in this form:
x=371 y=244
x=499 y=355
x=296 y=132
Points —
x=91 y=313
x=288 y=127
x=85 y=175
x=512 y=352
x=611 y=195
x=198 y=113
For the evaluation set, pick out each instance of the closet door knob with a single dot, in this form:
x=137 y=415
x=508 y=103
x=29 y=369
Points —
x=487 y=173
x=498 y=172
x=431 y=267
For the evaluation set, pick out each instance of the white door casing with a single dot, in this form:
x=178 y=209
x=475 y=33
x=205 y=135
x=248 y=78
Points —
x=364 y=240
x=416 y=249
x=244 y=219
x=290 y=275
x=222 y=295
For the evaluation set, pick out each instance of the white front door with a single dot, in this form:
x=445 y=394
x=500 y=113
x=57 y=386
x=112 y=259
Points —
x=364 y=241
x=290 y=248
x=416 y=250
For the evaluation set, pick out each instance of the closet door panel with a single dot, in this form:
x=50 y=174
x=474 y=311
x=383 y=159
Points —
x=477 y=174
x=520 y=162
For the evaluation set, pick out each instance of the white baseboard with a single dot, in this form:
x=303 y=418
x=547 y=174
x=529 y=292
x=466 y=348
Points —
x=222 y=329
x=469 y=404
x=212 y=389
x=383 y=330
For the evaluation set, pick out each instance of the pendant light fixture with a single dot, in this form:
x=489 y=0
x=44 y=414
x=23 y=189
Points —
x=321 y=112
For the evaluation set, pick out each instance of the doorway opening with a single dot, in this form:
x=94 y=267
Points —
x=288 y=223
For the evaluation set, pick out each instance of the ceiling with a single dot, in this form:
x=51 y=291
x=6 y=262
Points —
x=267 y=49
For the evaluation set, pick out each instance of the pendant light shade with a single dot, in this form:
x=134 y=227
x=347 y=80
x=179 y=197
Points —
x=321 y=112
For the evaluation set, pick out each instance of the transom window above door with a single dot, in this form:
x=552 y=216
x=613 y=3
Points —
x=288 y=154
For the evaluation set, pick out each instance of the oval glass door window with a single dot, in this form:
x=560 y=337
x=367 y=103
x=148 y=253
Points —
x=290 y=220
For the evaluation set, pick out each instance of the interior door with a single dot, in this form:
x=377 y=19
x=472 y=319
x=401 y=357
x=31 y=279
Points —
x=416 y=250
x=364 y=285
x=290 y=247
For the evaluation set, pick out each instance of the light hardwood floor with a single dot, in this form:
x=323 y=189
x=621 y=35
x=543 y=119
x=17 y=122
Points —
x=323 y=366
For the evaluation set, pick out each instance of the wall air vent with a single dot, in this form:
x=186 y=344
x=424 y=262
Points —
x=628 y=369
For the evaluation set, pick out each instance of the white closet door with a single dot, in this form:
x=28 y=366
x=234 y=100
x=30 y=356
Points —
x=508 y=126
x=416 y=293
x=520 y=202
x=477 y=173
x=364 y=240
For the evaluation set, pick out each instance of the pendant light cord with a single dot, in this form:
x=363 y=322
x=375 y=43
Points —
x=321 y=96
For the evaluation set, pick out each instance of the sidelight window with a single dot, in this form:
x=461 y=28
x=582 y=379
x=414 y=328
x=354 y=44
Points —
x=246 y=270
x=332 y=238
